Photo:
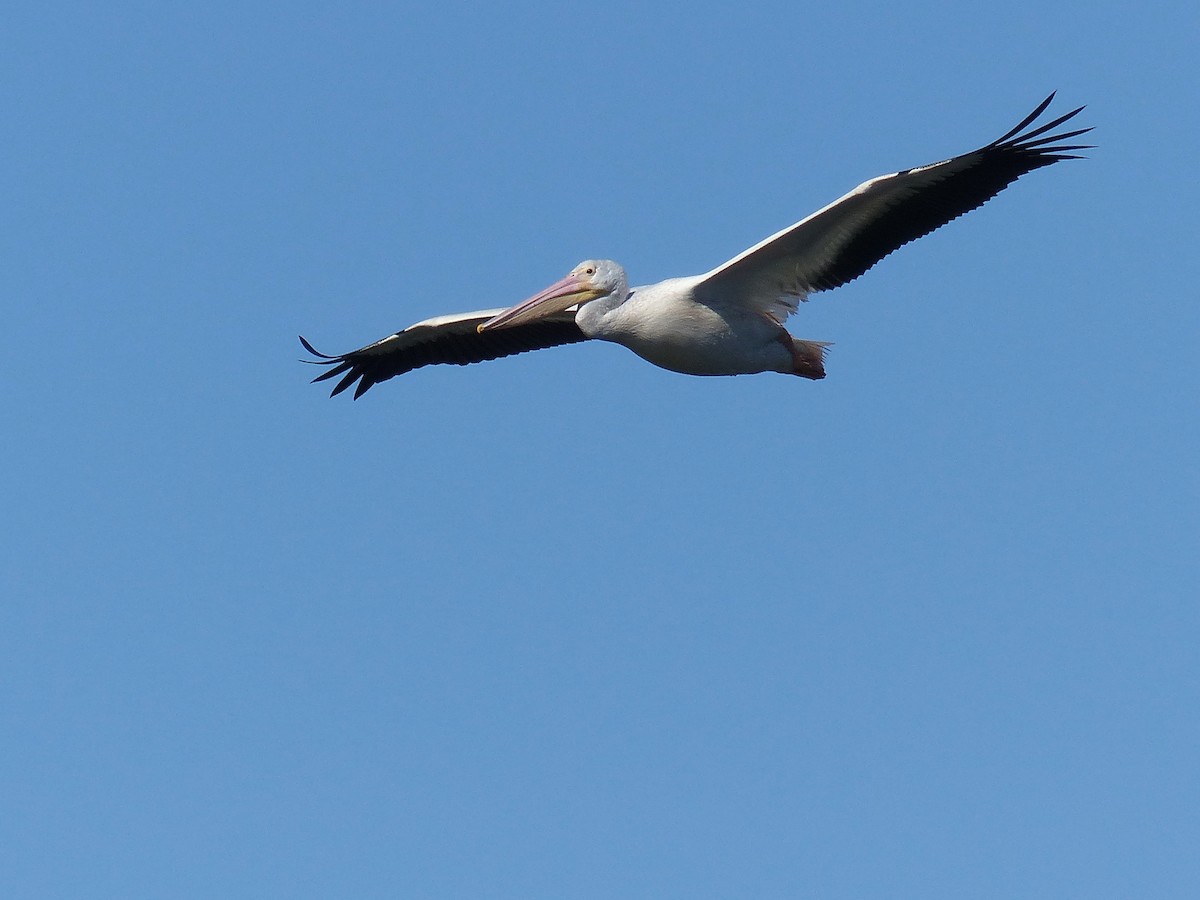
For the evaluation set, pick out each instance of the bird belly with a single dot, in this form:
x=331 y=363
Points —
x=701 y=342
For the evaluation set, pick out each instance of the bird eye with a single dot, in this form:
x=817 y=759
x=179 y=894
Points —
x=590 y=270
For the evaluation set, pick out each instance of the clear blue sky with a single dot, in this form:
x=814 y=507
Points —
x=567 y=625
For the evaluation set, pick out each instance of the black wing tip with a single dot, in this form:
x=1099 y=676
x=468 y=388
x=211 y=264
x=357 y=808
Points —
x=1047 y=148
x=352 y=374
x=382 y=360
x=315 y=352
x=972 y=179
x=339 y=365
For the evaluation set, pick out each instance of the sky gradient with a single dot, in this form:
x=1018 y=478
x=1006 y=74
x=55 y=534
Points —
x=568 y=625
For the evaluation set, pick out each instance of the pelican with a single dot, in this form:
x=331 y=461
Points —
x=728 y=321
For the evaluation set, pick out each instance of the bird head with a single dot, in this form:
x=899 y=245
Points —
x=590 y=280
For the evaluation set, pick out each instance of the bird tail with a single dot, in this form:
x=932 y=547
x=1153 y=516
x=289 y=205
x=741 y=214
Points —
x=809 y=358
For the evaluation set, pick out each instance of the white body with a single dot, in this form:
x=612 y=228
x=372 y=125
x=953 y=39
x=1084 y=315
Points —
x=665 y=325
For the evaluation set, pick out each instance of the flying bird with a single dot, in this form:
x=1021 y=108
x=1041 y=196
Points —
x=728 y=321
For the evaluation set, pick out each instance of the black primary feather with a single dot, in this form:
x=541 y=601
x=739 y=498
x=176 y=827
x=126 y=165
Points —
x=985 y=173
x=458 y=343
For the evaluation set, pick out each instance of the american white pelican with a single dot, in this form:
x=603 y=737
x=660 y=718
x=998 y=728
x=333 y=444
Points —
x=728 y=321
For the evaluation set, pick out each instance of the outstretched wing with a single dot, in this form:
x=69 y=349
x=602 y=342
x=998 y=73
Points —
x=838 y=243
x=445 y=339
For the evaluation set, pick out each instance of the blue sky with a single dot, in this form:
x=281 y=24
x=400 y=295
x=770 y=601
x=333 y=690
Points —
x=567 y=625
